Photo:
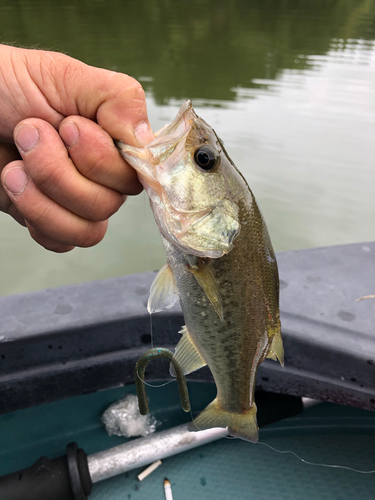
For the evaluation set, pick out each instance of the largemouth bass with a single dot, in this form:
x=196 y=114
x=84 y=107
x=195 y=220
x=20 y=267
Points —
x=221 y=265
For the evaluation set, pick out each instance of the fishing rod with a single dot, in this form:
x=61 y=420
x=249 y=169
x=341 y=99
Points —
x=71 y=477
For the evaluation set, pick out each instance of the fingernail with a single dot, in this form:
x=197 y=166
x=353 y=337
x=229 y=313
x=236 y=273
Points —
x=26 y=138
x=15 y=180
x=143 y=133
x=69 y=133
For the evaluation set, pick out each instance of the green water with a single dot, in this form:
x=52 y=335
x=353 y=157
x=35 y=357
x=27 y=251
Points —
x=288 y=85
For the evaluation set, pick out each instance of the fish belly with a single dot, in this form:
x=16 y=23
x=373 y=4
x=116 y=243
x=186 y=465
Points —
x=231 y=347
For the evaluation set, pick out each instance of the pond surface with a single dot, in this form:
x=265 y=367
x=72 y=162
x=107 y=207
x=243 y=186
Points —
x=288 y=85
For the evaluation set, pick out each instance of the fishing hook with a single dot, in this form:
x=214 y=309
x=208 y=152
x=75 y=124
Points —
x=140 y=367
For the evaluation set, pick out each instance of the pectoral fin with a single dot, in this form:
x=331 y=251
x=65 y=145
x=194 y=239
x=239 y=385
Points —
x=163 y=291
x=276 y=351
x=210 y=287
x=187 y=355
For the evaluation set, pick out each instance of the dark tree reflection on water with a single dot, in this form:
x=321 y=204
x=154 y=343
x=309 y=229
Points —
x=201 y=49
x=287 y=84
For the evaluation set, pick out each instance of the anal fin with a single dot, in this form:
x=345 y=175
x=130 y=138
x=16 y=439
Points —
x=163 y=291
x=276 y=351
x=187 y=354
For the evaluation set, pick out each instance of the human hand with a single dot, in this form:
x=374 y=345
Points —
x=61 y=175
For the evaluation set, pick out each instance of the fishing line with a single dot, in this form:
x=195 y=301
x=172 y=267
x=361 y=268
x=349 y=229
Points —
x=161 y=385
x=151 y=332
x=283 y=452
x=315 y=463
x=332 y=466
x=148 y=260
x=146 y=230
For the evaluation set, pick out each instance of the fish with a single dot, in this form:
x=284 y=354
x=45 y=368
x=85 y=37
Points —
x=220 y=265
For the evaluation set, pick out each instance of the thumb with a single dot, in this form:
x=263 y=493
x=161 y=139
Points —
x=114 y=100
x=119 y=105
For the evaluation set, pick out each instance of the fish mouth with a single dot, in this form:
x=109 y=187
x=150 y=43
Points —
x=167 y=139
x=173 y=129
x=172 y=135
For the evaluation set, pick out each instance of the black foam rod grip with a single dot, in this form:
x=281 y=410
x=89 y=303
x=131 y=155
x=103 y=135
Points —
x=64 y=478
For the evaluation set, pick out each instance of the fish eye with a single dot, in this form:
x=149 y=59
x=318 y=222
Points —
x=205 y=157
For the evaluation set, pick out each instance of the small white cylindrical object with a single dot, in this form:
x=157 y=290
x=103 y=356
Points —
x=148 y=470
x=167 y=490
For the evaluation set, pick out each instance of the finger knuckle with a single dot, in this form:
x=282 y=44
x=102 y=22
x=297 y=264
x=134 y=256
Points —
x=99 y=206
x=52 y=244
x=40 y=216
x=136 y=90
x=91 y=235
x=58 y=247
x=47 y=176
x=94 y=168
x=64 y=72
x=133 y=91
x=111 y=208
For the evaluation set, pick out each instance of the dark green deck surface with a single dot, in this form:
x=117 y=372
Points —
x=226 y=469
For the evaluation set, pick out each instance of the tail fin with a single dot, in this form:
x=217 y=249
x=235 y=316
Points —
x=242 y=425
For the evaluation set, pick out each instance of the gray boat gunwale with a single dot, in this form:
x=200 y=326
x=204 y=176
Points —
x=61 y=342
